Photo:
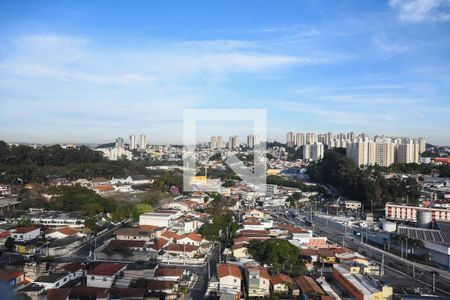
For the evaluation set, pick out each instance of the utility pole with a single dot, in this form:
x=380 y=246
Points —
x=434 y=282
x=382 y=265
x=401 y=249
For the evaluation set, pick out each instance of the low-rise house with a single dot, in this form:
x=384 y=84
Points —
x=158 y=244
x=104 y=189
x=258 y=281
x=63 y=232
x=240 y=250
x=230 y=277
x=180 y=250
x=170 y=274
x=138 y=180
x=192 y=238
x=78 y=292
x=53 y=280
x=254 y=213
x=281 y=283
x=134 y=233
x=64 y=246
x=104 y=274
x=24 y=234
x=99 y=181
x=163 y=286
x=12 y=279
x=75 y=269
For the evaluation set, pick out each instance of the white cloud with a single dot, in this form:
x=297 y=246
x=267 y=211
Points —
x=416 y=11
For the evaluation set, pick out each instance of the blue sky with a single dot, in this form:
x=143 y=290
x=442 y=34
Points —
x=89 y=71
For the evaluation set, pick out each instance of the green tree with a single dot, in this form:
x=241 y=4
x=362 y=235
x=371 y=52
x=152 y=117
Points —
x=10 y=245
x=280 y=254
x=140 y=209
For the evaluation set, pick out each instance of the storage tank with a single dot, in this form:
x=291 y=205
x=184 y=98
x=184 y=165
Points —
x=389 y=226
x=424 y=219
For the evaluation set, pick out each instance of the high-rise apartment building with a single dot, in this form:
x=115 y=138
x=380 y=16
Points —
x=132 y=145
x=311 y=138
x=313 y=152
x=233 y=142
x=358 y=152
x=142 y=142
x=422 y=145
x=408 y=152
x=317 y=150
x=385 y=154
x=299 y=139
x=252 y=140
x=119 y=142
x=290 y=140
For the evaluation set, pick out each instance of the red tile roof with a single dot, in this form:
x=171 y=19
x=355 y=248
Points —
x=66 y=231
x=25 y=229
x=182 y=248
x=148 y=227
x=58 y=294
x=72 y=267
x=157 y=285
x=159 y=244
x=193 y=236
x=169 y=235
x=107 y=269
x=258 y=233
x=280 y=278
x=126 y=244
x=224 y=270
x=308 y=285
x=169 y=272
x=8 y=275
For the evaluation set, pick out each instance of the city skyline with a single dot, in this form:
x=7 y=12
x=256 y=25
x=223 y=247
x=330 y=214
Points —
x=379 y=67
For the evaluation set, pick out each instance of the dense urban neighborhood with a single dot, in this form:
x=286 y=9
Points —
x=79 y=224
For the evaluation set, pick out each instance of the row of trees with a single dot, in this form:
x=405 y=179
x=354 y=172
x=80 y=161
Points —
x=368 y=186
x=52 y=155
x=281 y=255
x=281 y=181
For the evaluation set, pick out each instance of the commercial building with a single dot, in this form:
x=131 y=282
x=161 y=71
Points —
x=157 y=218
x=360 y=287
x=400 y=212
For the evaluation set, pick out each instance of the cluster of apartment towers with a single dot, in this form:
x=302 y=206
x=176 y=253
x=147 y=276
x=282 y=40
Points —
x=363 y=150
x=133 y=144
x=217 y=142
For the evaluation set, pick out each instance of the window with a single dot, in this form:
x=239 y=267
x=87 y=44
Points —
x=235 y=280
x=104 y=278
x=92 y=277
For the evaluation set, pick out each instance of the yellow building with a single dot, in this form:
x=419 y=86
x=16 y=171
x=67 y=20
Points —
x=240 y=251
